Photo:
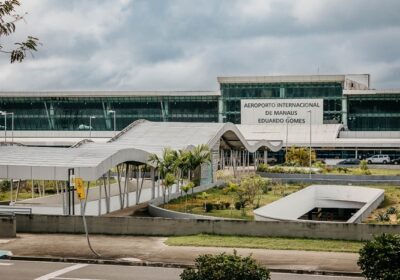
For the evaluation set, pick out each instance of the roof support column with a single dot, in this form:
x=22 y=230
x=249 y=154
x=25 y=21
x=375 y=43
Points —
x=106 y=194
x=153 y=183
x=11 y=191
x=121 y=201
x=99 y=186
x=344 y=111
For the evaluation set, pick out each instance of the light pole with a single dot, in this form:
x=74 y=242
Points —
x=287 y=136
x=115 y=122
x=12 y=126
x=90 y=126
x=4 y=113
x=310 y=141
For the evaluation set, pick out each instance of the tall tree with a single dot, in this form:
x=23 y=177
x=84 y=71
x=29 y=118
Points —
x=201 y=154
x=8 y=18
x=166 y=166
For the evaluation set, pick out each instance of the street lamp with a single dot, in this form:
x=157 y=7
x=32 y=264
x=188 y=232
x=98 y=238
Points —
x=4 y=113
x=309 y=111
x=115 y=122
x=287 y=136
x=90 y=126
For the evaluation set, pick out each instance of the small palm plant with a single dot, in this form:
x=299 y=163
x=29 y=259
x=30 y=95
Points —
x=186 y=188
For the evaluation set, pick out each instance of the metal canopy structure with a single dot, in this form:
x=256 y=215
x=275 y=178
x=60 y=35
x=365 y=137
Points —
x=134 y=144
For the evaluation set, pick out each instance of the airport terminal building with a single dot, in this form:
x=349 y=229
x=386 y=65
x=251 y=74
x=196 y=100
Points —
x=347 y=118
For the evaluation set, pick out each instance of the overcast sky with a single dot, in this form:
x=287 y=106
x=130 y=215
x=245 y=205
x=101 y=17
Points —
x=185 y=45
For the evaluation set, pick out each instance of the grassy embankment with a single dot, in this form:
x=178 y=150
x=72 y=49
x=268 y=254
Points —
x=205 y=240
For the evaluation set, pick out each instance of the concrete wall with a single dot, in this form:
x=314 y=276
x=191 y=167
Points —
x=7 y=226
x=170 y=227
x=332 y=179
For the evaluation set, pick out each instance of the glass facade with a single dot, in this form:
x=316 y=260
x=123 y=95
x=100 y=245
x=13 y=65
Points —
x=73 y=113
x=330 y=92
x=374 y=112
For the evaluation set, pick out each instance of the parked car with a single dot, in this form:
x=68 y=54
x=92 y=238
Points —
x=395 y=161
x=378 y=159
x=349 y=161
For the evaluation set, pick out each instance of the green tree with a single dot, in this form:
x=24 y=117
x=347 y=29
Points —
x=300 y=156
x=186 y=188
x=380 y=258
x=250 y=188
x=169 y=181
x=201 y=154
x=182 y=164
x=225 y=267
x=8 y=18
x=165 y=164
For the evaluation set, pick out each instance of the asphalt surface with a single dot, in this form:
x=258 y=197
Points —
x=24 y=270
x=153 y=249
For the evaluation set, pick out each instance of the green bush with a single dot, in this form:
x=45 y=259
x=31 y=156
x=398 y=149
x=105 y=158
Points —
x=363 y=165
x=209 y=207
x=238 y=205
x=225 y=267
x=262 y=167
x=383 y=217
x=391 y=210
x=380 y=258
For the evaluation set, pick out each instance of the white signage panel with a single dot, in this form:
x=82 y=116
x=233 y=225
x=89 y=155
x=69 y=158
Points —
x=280 y=111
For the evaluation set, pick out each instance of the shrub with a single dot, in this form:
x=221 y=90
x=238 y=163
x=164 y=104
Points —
x=342 y=169
x=363 y=165
x=238 y=205
x=391 y=210
x=383 y=217
x=380 y=258
x=225 y=267
x=262 y=167
x=300 y=156
x=319 y=164
x=209 y=207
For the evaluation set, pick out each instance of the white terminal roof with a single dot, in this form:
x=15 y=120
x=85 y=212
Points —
x=134 y=144
x=86 y=93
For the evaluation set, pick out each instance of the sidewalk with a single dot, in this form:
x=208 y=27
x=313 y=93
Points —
x=153 y=249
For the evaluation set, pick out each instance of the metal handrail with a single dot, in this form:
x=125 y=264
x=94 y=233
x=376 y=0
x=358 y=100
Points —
x=15 y=210
x=126 y=129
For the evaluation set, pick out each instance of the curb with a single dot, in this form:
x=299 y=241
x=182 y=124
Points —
x=170 y=265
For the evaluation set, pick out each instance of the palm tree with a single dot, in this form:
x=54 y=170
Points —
x=182 y=164
x=200 y=155
x=186 y=189
x=166 y=164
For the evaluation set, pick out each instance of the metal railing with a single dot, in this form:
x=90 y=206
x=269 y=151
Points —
x=14 y=210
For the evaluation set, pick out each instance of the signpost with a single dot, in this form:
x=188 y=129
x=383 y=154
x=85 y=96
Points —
x=281 y=111
x=80 y=188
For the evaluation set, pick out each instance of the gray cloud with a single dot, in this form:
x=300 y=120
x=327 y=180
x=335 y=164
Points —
x=180 y=44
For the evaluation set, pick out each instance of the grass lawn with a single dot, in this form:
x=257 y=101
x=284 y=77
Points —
x=195 y=204
x=205 y=240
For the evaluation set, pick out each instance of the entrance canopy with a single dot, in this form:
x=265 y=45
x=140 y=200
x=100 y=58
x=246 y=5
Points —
x=134 y=144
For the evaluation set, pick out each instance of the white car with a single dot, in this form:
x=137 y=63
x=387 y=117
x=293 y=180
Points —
x=378 y=159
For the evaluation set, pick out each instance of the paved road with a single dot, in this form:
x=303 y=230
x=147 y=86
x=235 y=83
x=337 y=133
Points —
x=24 y=270
x=153 y=249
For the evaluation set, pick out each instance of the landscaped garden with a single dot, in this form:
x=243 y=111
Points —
x=238 y=200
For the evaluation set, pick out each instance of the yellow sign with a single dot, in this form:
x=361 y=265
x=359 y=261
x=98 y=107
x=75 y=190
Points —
x=80 y=188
